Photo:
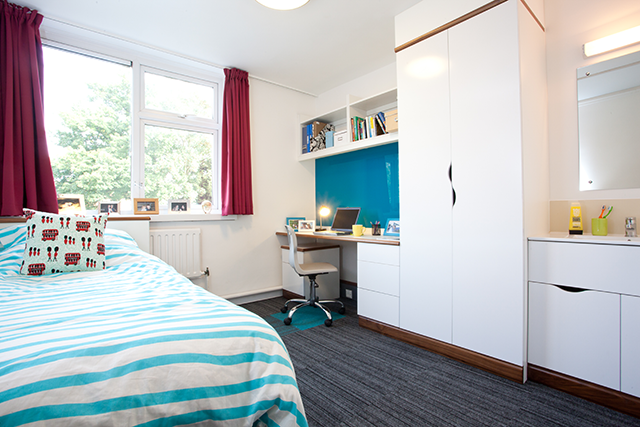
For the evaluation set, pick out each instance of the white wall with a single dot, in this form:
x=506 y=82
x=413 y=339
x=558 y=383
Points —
x=378 y=81
x=244 y=255
x=570 y=24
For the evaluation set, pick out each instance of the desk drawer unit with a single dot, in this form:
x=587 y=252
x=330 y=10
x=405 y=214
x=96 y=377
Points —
x=379 y=282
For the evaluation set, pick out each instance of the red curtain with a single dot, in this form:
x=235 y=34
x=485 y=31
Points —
x=25 y=168
x=237 y=198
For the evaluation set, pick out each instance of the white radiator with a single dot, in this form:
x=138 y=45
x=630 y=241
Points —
x=180 y=248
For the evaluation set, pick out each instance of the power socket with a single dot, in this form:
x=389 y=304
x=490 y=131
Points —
x=348 y=293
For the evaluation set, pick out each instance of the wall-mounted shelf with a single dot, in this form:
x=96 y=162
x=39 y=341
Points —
x=352 y=146
x=341 y=119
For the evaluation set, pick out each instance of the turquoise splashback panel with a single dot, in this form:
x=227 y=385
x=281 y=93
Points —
x=365 y=178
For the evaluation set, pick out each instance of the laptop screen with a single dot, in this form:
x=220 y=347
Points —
x=345 y=218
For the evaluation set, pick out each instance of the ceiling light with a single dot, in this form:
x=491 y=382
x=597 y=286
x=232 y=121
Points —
x=283 y=4
x=614 y=41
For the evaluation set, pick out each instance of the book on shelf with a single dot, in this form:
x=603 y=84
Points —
x=304 y=139
x=368 y=127
x=314 y=135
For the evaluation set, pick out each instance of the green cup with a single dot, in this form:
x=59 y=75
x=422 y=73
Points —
x=599 y=226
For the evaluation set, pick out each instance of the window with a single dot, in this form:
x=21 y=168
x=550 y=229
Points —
x=106 y=150
x=180 y=134
x=87 y=104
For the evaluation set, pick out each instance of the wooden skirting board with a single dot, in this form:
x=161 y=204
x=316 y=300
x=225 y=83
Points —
x=486 y=363
x=616 y=400
x=290 y=295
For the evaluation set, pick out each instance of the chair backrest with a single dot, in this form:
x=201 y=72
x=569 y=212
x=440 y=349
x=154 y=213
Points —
x=293 y=250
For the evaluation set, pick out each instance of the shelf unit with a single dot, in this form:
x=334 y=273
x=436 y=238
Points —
x=341 y=119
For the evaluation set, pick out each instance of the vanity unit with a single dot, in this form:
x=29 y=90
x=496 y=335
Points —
x=473 y=175
x=584 y=311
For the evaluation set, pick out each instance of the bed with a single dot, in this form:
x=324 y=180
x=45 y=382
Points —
x=134 y=344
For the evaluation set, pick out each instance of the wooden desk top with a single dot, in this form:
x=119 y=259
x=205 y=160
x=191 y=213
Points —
x=379 y=240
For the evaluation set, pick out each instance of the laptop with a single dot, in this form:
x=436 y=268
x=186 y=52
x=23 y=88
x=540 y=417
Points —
x=343 y=219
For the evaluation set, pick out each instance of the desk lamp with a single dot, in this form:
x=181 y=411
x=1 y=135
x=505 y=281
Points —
x=324 y=211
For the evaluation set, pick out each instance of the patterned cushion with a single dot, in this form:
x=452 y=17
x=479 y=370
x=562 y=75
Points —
x=60 y=243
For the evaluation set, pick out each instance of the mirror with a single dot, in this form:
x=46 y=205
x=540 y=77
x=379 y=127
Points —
x=609 y=123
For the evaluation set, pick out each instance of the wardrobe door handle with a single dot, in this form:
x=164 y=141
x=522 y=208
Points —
x=570 y=289
x=451 y=180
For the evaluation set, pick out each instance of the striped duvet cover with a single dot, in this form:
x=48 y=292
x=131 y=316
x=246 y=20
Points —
x=135 y=344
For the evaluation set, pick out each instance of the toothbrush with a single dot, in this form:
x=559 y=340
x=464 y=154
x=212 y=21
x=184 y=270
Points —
x=604 y=208
x=610 y=209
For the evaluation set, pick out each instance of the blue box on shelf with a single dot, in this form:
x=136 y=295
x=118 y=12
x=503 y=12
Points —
x=328 y=139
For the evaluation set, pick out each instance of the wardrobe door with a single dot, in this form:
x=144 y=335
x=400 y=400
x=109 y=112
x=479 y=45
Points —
x=488 y=248
x=426 y=195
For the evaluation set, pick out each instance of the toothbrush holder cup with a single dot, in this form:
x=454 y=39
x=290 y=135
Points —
x=599 y=226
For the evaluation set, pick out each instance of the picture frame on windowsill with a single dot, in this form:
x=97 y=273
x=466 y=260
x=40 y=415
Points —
x=71 y=203
x=146 y=206
x=112 y=208
x=180 y=206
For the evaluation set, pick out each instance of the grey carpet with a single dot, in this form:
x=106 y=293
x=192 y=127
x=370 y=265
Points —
x=350 y=376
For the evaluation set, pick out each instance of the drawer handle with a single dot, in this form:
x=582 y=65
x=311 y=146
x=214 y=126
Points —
x=570 y=289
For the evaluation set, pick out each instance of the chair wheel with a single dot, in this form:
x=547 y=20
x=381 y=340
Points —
x=283 y=309
x=287 y=321
x=328 y=322
x=342 y=310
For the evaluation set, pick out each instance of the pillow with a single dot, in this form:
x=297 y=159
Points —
x=61 y=243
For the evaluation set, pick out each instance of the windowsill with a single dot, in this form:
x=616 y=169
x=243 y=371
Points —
x=152 y=218
x=191 y=217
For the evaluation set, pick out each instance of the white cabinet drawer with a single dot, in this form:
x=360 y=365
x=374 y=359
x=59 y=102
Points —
x=381 y=307
x=588 y=266
x=382 y=254
x=630 y=346
x=379 y=277
x=575 y=333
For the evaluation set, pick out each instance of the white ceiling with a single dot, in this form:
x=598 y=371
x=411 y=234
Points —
x=315 y=48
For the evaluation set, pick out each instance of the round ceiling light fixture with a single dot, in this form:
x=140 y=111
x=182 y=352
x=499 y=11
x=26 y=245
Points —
x=283 y=4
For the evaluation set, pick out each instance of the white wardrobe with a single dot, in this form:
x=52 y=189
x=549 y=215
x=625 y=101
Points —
x=472 y=127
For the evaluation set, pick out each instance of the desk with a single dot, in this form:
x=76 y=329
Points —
x=378 y=273
x=367 y=238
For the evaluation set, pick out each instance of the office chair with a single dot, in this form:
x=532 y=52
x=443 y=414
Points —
x=310 y=270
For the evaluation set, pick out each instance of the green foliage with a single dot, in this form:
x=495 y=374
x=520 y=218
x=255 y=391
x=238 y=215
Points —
x=177 y=164
x=97 y=140
x=96 y=162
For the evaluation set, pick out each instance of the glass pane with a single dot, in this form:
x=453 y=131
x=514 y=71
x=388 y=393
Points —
x=87 y=104
x=177 y=165
x=178 y=96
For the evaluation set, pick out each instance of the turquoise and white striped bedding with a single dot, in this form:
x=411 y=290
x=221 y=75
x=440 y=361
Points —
x=135 y=344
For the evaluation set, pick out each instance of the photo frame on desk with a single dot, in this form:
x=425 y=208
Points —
x=393 y=227
x=307 y=225
x=293 y=221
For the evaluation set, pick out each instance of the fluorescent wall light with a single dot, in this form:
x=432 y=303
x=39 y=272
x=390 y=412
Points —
x=283 y=4
x=614 y=41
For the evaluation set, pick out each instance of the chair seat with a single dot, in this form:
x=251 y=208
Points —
x=317 y=268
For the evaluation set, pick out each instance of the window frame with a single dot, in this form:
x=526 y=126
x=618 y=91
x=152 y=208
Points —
x=148 y=116
x=166 y=65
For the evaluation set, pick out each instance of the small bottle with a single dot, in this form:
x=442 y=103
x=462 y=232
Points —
x=630 y=226
x=575 y=219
